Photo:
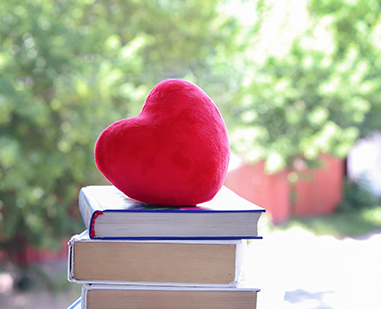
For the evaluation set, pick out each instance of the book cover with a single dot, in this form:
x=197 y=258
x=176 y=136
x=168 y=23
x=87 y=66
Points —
x=110 y=214
x=146 y=297
x=153 y=262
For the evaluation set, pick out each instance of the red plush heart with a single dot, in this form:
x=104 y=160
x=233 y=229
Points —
x=175 y=152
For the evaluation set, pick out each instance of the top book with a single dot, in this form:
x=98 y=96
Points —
x=110 y=214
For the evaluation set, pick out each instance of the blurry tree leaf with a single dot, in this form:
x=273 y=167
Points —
x=310 y=79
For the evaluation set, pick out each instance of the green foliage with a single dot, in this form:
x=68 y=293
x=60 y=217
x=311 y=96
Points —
x=310 y=82
x=357 y=195
x=45 y=277
x=68 y=69
x=354 y=224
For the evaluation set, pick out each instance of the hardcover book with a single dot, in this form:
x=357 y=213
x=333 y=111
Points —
x=121 y=297
x=110 y=214
x=182 y=262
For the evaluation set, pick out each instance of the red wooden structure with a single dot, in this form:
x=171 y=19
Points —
x=318 y=195
x=31 y=255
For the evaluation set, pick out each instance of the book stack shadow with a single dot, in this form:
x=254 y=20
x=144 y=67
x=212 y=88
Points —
x=136 y=255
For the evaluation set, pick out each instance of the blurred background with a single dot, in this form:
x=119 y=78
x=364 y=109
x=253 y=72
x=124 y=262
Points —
x=297 y=82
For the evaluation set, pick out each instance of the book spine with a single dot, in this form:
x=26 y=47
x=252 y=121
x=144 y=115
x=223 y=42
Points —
x=84 y=291
x=89 y=209
x=84 y=207
x=70 y=260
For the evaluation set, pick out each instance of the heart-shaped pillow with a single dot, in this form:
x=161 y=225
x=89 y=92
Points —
x=175 y=152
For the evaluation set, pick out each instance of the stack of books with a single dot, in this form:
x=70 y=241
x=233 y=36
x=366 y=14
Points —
x=136 y=255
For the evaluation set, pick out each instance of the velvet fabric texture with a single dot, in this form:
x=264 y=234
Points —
x=174 y=153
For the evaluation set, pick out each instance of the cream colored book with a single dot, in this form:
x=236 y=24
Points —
x=154 y=297
x=185 y=262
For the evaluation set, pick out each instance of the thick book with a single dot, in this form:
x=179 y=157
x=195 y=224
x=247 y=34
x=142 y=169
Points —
x=155 y=262
x=121 y=297
x=110 y=214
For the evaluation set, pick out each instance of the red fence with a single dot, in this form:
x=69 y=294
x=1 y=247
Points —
x=32 y=255
x=319 y=195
